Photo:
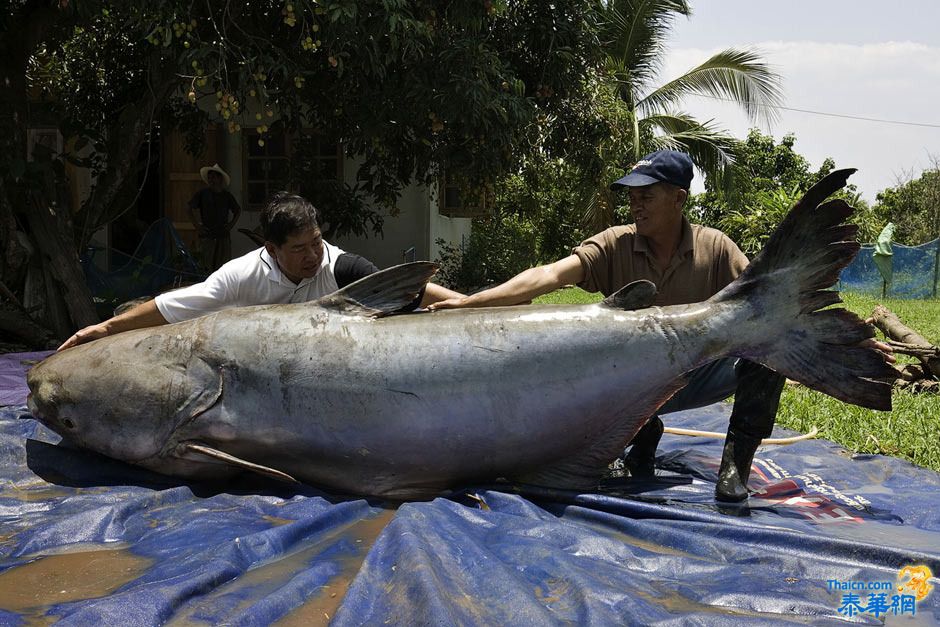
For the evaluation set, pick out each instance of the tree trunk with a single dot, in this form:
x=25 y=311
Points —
x=125 y=137
x=891 y=325
x=24 y=27
x=14 y=257
x=20 y=204
x=16 y=323
x=43 y=210
x=51 y=235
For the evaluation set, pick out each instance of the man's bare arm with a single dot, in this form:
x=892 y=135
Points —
x=144 y=315
x=523 y=287
x=435 y=293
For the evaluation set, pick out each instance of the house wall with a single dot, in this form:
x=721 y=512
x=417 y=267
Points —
x=418 y=224
x=454 y=231
x=411 y=234
x=233 y=151
x=401 y=233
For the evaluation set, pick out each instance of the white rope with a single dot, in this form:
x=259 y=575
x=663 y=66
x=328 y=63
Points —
x=722 y=436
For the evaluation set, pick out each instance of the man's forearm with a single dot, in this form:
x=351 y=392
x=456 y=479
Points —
x=522 y=288
x=434 y=293
x=142 y=316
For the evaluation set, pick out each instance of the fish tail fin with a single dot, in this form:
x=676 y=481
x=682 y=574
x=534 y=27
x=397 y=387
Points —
x=790 y=280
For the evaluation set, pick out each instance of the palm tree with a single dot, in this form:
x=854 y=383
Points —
x=633 y=35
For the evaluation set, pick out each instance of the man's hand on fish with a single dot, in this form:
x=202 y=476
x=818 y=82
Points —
x=450 y=303
x=141 y=316
x=87 y=334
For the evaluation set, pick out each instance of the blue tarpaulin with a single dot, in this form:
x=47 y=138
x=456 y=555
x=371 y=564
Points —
x=828 y=537
x=914 y=272
x=160 y=262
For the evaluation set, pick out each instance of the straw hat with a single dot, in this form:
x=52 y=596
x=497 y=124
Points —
x=204 y=173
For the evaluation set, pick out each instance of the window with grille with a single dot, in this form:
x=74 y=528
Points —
x=268 y=165
x=455 y=201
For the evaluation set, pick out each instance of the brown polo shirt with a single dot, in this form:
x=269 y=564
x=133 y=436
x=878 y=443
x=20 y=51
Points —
x=705 y=262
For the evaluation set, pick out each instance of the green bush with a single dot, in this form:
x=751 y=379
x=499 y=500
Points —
x=500 y=246
x=536 y=220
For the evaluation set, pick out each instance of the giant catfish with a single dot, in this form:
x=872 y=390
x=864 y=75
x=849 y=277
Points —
x=339 y=394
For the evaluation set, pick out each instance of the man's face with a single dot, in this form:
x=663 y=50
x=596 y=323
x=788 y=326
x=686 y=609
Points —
x=215 y=179
x=657 y=209
x=300 y=256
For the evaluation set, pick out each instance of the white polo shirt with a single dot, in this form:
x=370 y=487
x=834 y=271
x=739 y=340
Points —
x=252 y=279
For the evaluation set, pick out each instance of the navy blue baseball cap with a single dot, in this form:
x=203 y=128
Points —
x=666 y=166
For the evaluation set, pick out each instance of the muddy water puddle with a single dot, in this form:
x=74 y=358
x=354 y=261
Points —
x=268 y=578
x=35 y=491
x=320 y=609
x=278 y=522
x=84 y=572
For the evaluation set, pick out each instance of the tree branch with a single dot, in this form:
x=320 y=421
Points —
x=123 y=145
x=906 y=340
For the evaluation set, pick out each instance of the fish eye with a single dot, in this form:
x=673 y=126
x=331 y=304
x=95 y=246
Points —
x=68 y=423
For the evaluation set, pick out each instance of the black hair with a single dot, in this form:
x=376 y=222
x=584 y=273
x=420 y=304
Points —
x=286 y=214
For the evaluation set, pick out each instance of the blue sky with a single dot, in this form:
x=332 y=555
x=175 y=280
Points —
x=863 y=58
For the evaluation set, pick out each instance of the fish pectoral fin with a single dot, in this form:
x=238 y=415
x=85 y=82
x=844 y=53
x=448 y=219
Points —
x=636 y=295
x=584 y=469
x=208 y=451
x=383 y=292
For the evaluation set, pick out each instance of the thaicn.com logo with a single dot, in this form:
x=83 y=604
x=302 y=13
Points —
x=881 y=598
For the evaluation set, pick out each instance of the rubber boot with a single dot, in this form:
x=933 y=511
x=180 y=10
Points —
x=641 y=459
x=752 y=418
x=735 y=467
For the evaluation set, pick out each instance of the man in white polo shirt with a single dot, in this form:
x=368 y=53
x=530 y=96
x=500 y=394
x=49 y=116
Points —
x=295 y=265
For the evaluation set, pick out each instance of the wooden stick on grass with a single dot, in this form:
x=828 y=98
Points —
x=906 y=340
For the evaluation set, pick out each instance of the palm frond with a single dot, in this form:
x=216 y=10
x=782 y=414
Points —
x=711 y=148
x=735 y=75
x=599 y=210
x=634 y=34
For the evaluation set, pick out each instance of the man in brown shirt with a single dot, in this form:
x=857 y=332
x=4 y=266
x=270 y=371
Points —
x=688 y=263
x=705 y=261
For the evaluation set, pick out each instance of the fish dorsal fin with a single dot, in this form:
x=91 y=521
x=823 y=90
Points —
x=208 y=451
x=382 y=292
x=636 y=295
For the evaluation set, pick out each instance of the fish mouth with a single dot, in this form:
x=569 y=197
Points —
x=33 y=408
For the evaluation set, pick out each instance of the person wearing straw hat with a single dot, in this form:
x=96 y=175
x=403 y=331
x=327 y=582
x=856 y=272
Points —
x=210 y=208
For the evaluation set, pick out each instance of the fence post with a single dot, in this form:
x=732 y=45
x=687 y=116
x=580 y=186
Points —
x=936 y=266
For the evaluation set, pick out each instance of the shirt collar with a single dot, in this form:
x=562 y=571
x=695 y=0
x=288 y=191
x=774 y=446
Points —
x=272 y=271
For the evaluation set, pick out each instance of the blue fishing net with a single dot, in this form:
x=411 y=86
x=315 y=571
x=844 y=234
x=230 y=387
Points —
x=914 y=272
x=161 y=262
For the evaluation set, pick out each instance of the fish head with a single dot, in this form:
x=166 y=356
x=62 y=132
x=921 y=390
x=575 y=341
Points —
x=120 y=396
x=73 y=400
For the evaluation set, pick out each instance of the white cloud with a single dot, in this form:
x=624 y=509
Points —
x=889 y=81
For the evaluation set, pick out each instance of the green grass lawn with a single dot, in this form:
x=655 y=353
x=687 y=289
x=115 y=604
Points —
x=910 y=431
